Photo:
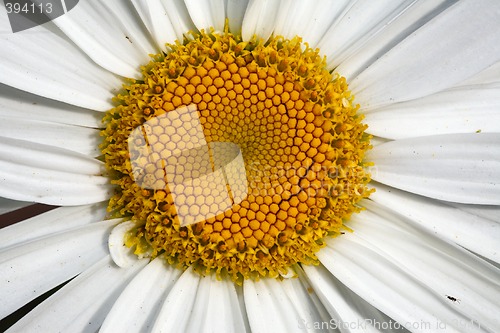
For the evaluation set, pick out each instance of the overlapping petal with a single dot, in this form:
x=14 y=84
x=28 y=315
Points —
x=259 y=19
x=7 y=205
x=19 y=104
x=79 y=139
x=468 y=109
x=136 y=308
x=31 y=61
x=207 y=14
x=216 y=307
x=52 y=222
x=347 y=310
x=415 y=15
x=462 y=168
x=59 y=257
x=214 y=303
x=282 y=306
x=357 y=23
x=416 y=67
x=299 y=18
x=441 y=286
x=120 y=50
x=475 y=228
x=82 y=304
x=62 y=177
x=166 y=20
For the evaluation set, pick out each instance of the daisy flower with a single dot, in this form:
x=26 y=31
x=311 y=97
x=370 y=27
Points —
x=258 y=166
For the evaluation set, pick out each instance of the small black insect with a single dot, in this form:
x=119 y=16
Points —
x=453 y=299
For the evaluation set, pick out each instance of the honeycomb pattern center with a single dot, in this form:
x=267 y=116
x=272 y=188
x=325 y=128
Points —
x=272 y=104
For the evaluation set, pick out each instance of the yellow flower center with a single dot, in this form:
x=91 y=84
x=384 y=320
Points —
x=273 y=104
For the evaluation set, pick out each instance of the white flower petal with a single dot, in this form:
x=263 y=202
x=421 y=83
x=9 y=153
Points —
x=346 y=308
x=122 y=48
x=47 y=157
x=136 y=308
x=50 y=223
x=83 y=140
x=62 y=177
x=316 y=305
x=215 y=304
x=446 y=269
x=122 y=255
x=280 y=306
x=207 y=14
x=259 y=19
x=241 y=301
x=76 y=80
x=306 y=303
x=463 y=168
x=356 y=26
x=434 y=57
x=235 y=11
x=7 y=206
x=52 y=187
x=268 y=308
x=376 y=140
x=489 y=75
x=287 y=15
x=388 y=287
x=415 y=16
x=82 y=304
x=179 y=17
x=468 y=230
x=29 y=270
x=309 y=20
x=175 y=312
x=491 y=213
x=216 y=308
x=15 y=103
x=384 y=217
x=166 y=20
x=462 y=110
x=155 y=18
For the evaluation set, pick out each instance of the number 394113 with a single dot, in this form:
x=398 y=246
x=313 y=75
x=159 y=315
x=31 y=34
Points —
x=17 y=8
